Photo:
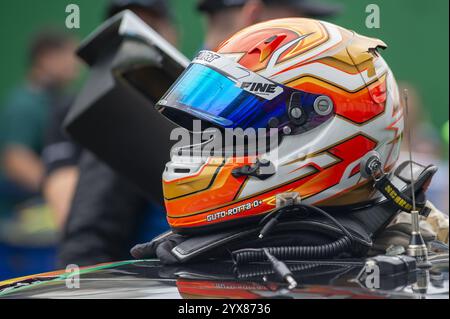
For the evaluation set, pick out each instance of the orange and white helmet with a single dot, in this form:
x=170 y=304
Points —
x=327 y=92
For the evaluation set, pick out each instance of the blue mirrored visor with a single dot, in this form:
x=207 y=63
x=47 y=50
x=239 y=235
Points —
x=204 y=93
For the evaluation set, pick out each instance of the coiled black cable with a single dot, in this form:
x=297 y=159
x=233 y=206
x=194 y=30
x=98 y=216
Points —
x=329 y=250
x=332 y=249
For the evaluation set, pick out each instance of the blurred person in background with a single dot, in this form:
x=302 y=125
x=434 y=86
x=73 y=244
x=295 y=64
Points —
x=107 y=211
x=224 y=17
x=426 y=146
x=61 y=156
x=52 y=67
x=108 y=214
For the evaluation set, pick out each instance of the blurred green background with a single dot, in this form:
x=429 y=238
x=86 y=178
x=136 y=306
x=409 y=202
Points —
x=415 y=30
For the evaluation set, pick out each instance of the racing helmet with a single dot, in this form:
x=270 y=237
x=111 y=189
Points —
x=324 y=90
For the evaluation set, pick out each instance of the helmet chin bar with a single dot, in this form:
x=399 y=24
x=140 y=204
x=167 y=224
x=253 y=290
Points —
x=363 y=223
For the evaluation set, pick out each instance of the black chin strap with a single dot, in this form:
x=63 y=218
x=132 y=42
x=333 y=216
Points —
x=398 y=198
x=371 y=167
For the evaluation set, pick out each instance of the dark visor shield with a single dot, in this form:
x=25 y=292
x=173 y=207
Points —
x=224 y=94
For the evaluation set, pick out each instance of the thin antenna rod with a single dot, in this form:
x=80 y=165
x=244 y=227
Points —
x=417 y=247
x=408 y=132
